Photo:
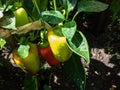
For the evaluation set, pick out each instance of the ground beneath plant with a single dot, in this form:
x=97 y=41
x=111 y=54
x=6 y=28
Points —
x=103 y=73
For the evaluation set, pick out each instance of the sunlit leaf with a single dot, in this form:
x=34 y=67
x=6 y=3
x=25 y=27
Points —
x=2 y=42
x=23 y=51
x=69 y=4
x=69 y=29
x=76 y=40
x=80 y=46
x=8 y=21
x=52 y=17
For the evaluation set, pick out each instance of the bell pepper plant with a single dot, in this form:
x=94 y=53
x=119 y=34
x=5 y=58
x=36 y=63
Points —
x=30 y=63
x=59 y=46
x=45 y=51
x=46 y=54
x=25 y=56
x=47 y=30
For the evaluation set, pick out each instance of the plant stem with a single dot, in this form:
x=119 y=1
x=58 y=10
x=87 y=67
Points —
x=7 y=5
x=67 y=13
x=36 y=25
x=36 y=5
x=36 y=83
x=55 y=6
x=75 y=16
x=50 y=79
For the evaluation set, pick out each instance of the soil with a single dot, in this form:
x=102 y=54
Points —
x=103 y=72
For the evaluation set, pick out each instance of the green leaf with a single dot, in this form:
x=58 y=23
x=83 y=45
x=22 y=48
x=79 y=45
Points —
x=31 y=83
x=91 y=6
x=8 y=21
x=23 y=51
x=75 y=71
x=118 y=56
x=11 y=25
x=69 y=29
x=1 y=64
x=52 y=17
x=69 y=4
x=80 y=46
x=0 y=4
x=31 y=9
x=2 y=42
x=115 y=8
x=41 y=5
x=46 y=87
x=76 y=40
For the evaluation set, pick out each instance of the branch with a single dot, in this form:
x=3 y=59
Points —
x=37 y=25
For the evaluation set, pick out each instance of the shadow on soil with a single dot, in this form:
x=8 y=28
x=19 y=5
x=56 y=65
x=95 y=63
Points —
x=102 y=77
